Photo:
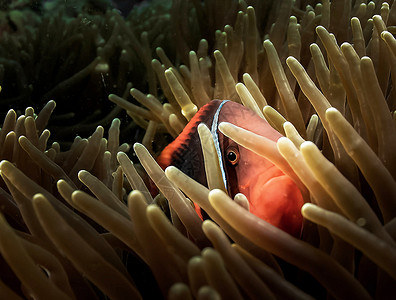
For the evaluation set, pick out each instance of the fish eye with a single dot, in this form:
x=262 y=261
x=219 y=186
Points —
x=232 y=155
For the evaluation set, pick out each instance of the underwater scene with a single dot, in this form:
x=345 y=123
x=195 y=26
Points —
x=197 y=149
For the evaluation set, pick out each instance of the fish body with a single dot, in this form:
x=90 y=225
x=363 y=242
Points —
x=273 y=196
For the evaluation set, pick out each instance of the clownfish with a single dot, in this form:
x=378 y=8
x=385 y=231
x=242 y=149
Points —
x=272 y=195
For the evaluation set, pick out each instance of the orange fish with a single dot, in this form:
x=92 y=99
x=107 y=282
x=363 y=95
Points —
x=272 y=195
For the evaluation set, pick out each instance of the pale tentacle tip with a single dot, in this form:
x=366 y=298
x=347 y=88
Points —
x=307 y=145
x=332 y=113
x=331 y=110
x=282 y=140
x=222 y=125
x=134 y=192
x=361 y=222
x=267 y=43
x=215 y=192
x=178 y=288
x=288 y=125
x=5 y=164
x=201 y=126
x=208 y=251
x=291 y=59
x=60 y=183
x=137 y=146
x=226 y=127
x=345 y=45
x=385 y=34
x=152 y=208
x=120 y=154
x=39 y=198
x=320 y=28
x=52 y=103
x=365 y=59
x=82 y=173
x=76 y=193
x=377 y=17
x=208 y=224
x=195 y=260
x=171 y=170
x=216 y=195
x=100 y=129
x=116 y=121
x=22 y=138
x=306 y=207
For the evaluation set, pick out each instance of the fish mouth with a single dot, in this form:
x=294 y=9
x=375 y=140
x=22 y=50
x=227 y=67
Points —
x=275 y=198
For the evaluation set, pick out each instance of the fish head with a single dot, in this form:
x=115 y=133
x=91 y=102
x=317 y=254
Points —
x=273 y=196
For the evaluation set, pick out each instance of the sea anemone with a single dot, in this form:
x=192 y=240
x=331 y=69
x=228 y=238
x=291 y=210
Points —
x=77 y=56
x=73 y=227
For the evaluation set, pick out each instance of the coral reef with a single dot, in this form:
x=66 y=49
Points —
x=82 y=224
